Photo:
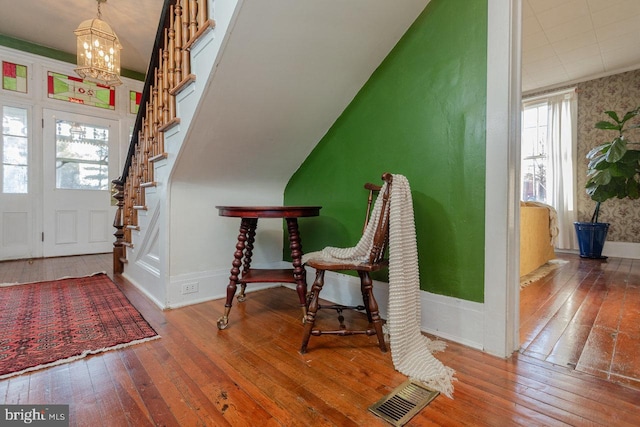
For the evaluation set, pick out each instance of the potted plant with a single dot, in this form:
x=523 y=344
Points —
x=613 y=171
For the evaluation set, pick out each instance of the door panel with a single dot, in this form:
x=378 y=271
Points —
x=97 y=230
x=16 y=227
x=78 y=212
x=66 y=227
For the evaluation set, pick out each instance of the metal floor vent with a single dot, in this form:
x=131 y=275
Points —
x=398 y=407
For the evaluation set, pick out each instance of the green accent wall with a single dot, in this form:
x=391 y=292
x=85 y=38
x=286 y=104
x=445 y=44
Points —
x=421 y=114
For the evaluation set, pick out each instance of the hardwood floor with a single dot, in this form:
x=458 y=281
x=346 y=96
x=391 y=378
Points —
x=251 y=374
x=586 y=316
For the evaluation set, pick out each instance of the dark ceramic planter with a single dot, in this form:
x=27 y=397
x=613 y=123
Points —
x=591 y=238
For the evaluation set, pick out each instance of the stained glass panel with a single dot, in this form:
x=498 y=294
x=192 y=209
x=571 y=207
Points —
x=14 y=77
x=79 y=91
x=134 y=101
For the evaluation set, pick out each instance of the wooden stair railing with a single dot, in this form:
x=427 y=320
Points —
x=182 y=22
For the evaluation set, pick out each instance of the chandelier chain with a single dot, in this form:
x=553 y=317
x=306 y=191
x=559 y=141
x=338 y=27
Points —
x=99 y=11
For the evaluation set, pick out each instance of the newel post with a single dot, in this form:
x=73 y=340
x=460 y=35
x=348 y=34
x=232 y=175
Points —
x=118 y=223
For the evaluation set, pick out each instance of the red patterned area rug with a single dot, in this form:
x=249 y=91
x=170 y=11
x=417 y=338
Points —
x=49 y=323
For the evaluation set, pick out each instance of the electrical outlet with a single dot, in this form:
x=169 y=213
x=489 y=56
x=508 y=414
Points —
x=189 y=288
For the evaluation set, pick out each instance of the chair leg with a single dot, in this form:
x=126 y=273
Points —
x=364 y=278
x=366 y=285
x=310 y=318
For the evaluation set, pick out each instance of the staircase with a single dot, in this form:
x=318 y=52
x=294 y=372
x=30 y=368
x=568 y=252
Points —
x=187 y=43
x=232 y=106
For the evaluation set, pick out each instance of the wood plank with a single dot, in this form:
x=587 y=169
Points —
x=180 y=408
x=252 y=373
x=157 y=407
x=61 y=391
x=546 y=339
x=598 y=352
x=84 y=406
x=108 y=402
x=570 y=345
x=541 y=300
x=531 y=391
x=40 y=388
x=224 y=350
x=18 y=390
x=190 y=372
x=565 y=380
x=133 y=406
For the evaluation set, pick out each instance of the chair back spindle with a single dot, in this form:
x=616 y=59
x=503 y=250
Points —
x=381 y=234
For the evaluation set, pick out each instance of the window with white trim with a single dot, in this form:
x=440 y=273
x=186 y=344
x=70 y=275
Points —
x=534 y=153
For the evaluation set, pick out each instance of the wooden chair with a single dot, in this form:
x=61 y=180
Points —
x=376 y=261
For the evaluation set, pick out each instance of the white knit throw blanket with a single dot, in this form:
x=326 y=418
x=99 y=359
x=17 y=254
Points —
x=411 y=351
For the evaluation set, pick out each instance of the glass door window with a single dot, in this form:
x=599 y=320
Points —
x=82 y=156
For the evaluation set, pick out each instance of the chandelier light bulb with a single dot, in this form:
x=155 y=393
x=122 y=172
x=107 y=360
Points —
x=96 y=35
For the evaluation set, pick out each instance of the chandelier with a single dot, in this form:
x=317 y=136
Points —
x=98 y=51
x=77 y=132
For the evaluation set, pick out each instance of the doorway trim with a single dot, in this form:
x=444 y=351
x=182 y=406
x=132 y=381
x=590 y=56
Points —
x=501 y=299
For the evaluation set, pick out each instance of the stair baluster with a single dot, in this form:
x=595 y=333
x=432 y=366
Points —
x=182 y=22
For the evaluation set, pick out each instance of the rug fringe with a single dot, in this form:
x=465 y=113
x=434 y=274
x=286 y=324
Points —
x=52 y=280
x=541 y=271
x=78 y=356
x=97 y=273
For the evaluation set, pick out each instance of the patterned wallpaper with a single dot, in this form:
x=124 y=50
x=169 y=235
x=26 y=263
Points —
x=620 y=93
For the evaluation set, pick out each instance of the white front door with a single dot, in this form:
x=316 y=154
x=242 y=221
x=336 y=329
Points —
x=77 y=210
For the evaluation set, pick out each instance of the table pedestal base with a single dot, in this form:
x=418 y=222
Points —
x=242 y=258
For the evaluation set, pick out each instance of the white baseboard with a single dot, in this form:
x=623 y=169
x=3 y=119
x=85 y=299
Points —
x=453 y=319
x=614 y=250
x=211 y=285
x=142 y=289
x=621 y=250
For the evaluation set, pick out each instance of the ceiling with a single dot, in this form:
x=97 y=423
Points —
x=51 y=24
x=563 y=41
x=576 y=40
